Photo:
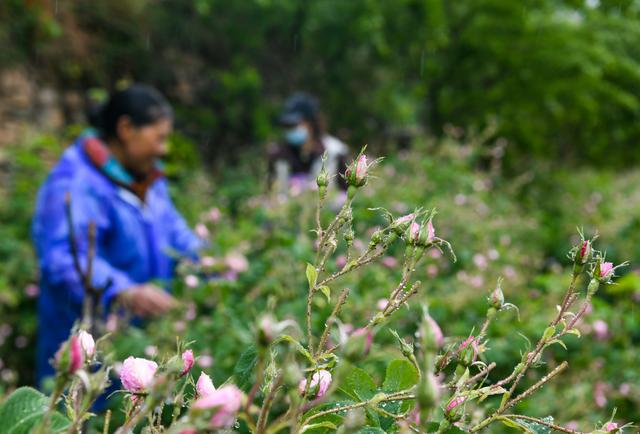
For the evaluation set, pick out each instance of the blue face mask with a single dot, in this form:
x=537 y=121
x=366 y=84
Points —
x=296 y=136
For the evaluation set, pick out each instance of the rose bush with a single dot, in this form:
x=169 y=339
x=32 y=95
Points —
x=247 y=295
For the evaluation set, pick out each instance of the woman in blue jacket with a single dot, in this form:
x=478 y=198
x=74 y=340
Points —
x=114 y=181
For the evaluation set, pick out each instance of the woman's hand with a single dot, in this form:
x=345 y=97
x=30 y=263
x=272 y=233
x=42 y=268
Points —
x=147 y=300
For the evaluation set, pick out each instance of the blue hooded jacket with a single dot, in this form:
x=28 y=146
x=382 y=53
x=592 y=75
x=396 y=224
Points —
x=136 y=240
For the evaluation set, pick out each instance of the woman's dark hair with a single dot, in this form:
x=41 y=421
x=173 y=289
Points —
x=142 y=104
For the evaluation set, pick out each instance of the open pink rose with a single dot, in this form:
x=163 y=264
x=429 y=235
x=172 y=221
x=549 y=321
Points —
x=137 y=374
x=204 y=386
x=227 y=400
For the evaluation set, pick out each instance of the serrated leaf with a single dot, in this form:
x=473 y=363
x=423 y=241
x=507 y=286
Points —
x=244 y=367
x=312 y=275
x=537 y=428
x=24 y=408
x=326 y=291
x=400 y=375
x=325 y=424
x=359 y=385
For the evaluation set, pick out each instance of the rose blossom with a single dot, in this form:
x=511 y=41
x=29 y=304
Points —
x=227 y=400
x=204 y=386
x=87 y=343
x=322 y=379
x=187 y=362
x=137 y=374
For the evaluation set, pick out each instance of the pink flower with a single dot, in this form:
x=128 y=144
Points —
x=382 y=304
x=599 y=396
x=414 y=232
x=112 y=323
x=70 y=356
x=468 y=350
x=624 y=389
x=227 y=401
x=32 y=291
x=150 y=350
x=205 y=361
x=437 y=331
x=389 y=262
x=405 y=219
x=77 y=356
x=202 y=231
x=432 y=269
x=214 y=214
x=600 y=330
x=87 y=343
x=606 y=269
x=204 y=386
x=237 y=262
x=431 y=231
x=361 y=168
x=610 y=426
x=454 y=403
x=137 y=374
x=191 y=281
x=320 y=379
x=187 y=362
x=480 y=261
x=208 y=261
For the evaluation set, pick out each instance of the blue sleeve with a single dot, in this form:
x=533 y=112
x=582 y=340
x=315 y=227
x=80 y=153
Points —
x=51 y=236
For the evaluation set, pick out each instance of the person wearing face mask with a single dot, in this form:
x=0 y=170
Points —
x=114 y=180
x=297 y=160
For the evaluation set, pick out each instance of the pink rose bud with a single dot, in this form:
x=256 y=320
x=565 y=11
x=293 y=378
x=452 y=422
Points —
x=436 y=330
x=237 y=262
x=431 y=232
x=87 y=343
x=584 y=253
x=187 y=362
x=382 y=304
x=356 y=173
x=320 y=379
x=414 y=232
x=214 y=214
x=202 y=231
x=32 y=291
x=453 y=409
x=468 y=351
x=496 y=298
x=77 y=356
x=70 y=356
x=610 y=426
x=191 y=281
x=204 y=386
x=226 y=401
x=137 y=374
x=208 y=261
x=606 y=270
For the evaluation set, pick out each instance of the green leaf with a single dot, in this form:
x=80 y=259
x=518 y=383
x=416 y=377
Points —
x=548 y=332
x=537 y=428
x=244 y=367
x=401 y=375
x=24 y=409
x=312 y=275
x=359 y=385
x=325 y=424
x=371 y=430
x=301 y=349
x=326 y=291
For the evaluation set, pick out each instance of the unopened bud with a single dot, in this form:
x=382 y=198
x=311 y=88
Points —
x=496 y=298
x=358 y=344
x=323 y=179
x=356 y=173
x=454 y=409
x=468 y=351
x=428 y=392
